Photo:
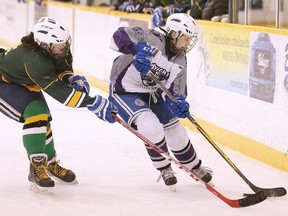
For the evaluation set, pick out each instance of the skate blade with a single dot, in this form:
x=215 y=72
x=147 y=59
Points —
x=75 y=182
x=57 y=180
x=173 y=188
x=41 y=190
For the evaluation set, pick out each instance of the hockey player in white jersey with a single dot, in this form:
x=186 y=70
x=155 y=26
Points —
x=139 y=100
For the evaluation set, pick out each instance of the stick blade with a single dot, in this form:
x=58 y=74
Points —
x=271 y=192
x=250 y=200
x=253 y=199
x=276 y=192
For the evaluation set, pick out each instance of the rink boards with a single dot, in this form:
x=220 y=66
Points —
x=238 y=86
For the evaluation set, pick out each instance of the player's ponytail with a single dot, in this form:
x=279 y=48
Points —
x=29 y=41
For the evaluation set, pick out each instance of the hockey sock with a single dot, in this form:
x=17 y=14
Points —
x=158 y=160
x=187 y=156
x=49 y=147
x=35 y=127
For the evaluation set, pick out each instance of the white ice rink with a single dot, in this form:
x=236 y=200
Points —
x=116 y=177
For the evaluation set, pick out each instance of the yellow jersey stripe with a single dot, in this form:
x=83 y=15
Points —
x=74 y=99
x=40 y=117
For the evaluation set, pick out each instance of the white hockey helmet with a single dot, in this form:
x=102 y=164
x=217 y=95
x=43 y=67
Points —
x=183 y=24
x=52 y=36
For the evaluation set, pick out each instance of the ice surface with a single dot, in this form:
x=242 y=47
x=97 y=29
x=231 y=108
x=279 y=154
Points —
x=116 y=177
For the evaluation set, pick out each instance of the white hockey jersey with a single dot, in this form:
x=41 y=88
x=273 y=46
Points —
x=172 y=72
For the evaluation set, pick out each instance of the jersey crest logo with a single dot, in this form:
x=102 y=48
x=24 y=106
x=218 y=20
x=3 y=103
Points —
x=138 y=31
x=139 y=102
x=147 y=81
x=160 y=72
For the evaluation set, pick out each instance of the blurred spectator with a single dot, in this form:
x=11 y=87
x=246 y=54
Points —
x=158 y=18
x=115 y=6
x=216 y=10
x=197 y=7
x=39 y=2
x=163 y=3
x=162 y=12
x=254 y=4
x=136 y=6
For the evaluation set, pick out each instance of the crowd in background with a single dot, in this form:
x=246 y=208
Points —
x=214 y=10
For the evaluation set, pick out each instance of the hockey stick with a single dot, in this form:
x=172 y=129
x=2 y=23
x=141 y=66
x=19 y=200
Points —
x=271 y=192
x=242 y=202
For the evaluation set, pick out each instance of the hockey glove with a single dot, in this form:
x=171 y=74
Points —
x=142 y=61
x=103 y=109
x=79 y=83
x=2 y=50
x=179 y=109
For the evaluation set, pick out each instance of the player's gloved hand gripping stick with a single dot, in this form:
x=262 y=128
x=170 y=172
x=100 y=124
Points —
x=103 y=109
x=79 y=83
x=179 y=107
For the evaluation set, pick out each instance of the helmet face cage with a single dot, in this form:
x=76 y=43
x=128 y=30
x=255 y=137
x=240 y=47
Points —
x=193 y=42
x=48 y=34
x=183 y=24
x=64 y=50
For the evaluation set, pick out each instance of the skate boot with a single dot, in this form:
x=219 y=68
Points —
x=55 y=170
x=204 y=173
x=168 y=177
x=38 y=174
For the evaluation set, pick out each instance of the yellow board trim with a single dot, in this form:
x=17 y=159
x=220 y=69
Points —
x=247 y=146
x=6 y=44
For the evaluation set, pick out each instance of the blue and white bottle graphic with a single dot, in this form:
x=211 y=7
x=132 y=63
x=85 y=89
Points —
x=262 y=69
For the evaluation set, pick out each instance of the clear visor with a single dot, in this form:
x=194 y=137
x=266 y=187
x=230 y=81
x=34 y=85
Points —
x=61 y=49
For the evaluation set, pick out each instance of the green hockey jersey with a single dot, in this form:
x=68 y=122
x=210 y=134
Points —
x=37 y=71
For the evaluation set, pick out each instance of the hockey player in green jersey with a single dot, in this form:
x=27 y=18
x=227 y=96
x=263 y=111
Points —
x=43 y=62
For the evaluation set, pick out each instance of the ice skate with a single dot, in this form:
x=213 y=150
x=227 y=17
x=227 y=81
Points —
x=168 y=178
x=205 y=174
x=65 y=175
x=40 y=181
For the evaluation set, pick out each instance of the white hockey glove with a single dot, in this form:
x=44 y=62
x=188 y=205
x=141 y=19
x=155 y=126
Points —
x=103 y=109
x=79 y=83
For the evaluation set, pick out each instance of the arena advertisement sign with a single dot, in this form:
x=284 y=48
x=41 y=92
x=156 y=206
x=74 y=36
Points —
x=228 y=58
x=273 y=62
x=268 y=76
x=251 y=63
x=262 y=73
